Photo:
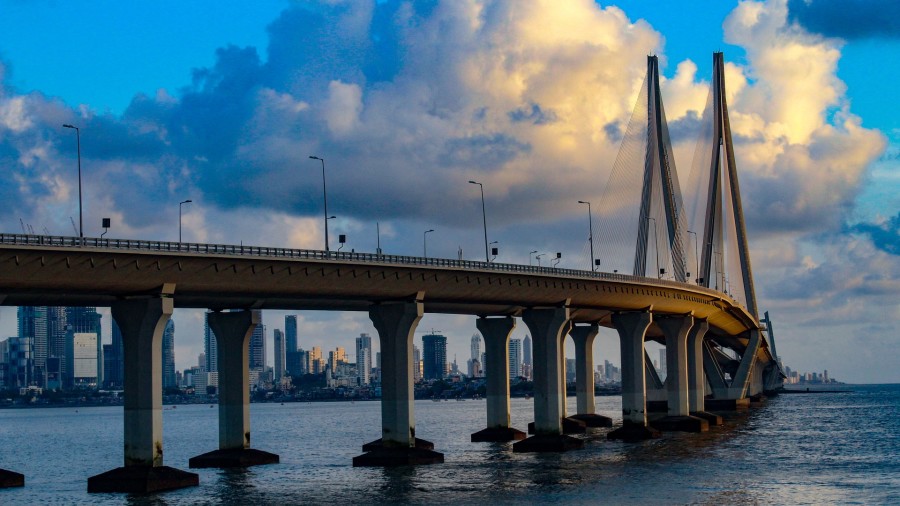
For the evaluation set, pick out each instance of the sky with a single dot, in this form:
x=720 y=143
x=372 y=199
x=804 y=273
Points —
x=224 y=102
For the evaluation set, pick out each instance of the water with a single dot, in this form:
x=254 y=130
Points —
x=798 y=449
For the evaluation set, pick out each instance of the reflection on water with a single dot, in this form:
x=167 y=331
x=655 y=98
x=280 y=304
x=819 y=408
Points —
x=798 y=449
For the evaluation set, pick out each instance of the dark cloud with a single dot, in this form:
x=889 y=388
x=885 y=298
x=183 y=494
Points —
x=885 y=236
x=532 y=114
x=847 y=19
x=613 y=131
x=483 y=151
x=686 y=128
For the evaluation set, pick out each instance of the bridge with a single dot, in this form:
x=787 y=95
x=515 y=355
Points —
x=717 y=353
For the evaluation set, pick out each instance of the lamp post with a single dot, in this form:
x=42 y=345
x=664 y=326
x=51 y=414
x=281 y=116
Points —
x=180 y=204
x=538 y=257
x=529 y=256
x=656 y=247
x=425 y=243
x=591 y=230
x=324 y=198
x=484 y=218
x=80 y=213
x=696 y=253
x=494 y=251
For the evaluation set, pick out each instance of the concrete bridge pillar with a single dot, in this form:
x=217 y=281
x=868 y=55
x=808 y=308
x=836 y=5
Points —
x=676 y=329
x=496 y=332
x=396 y=325
x=696 y=378
x=233 y=331
x=583 y=336
x=632 y=328
x=142 y=322
x=546 y=326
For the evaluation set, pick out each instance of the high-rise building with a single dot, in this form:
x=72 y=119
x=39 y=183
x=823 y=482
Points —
x=315 y=363
x=258 y=345
x=417 y=363
x=290 y=333
x=19 y=361
x=336 y=358
x=210 y=346
x=434 y=361
x=83 y=321
x=280 y=356
x=364 y=358
x=168 y=356
x=33 y=322
x=475 y=347
x=570 y=370
x=114 y=360
x=515 y=358
x=526 y=351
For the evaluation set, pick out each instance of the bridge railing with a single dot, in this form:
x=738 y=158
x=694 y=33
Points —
x=304 y=254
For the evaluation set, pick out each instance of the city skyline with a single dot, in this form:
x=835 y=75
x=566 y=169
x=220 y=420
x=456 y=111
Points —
x=817 y=150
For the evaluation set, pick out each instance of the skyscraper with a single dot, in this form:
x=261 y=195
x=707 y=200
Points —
x=258 y=345
x=364 y=358
x=527 y=366
x=210 y=346
x=83 y=324
x=663 y=370
x=114 y=360
x=475 y=347
x=417 y=363
x=168 y=356
x=515 y=358
x=434 y=362
x=315 y=365
x=280 y=356
x=32 y=322
x=290 y=333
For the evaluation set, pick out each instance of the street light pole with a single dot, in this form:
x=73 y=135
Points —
x=80 y=213
x=529 y=256
x=696 y=254
x=188 y=201
x=487 y=257
x=324 y=198
x=656 y=242
x=425 y=243
x=591 y=229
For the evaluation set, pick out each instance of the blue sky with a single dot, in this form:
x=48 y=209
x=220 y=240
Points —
x=222 y=102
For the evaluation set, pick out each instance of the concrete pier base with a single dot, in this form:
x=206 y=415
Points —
x=9 y=479
x=630 y=432
x=378 y=444
x=141 y=480
x=548 y=443
x=233 y=457
x=570 y=425
x=593 y=420
x=498 y=435
x=657 y=406
x=727 y=404
x=758 y=400
x=392 y=457
x=679 y=423
x=711 y=418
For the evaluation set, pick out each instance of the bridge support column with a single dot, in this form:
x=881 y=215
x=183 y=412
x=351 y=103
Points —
x=546 y=326
x=583 y=336
x=233 y=331
x=696 y=378
x=676 y=329
x=396 y=325
x=142 y=322
x=632 y=328
x=496 y=333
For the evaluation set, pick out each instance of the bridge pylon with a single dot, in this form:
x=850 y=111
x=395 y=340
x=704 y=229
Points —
x=660 y=188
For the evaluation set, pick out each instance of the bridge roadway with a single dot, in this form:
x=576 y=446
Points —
x=143 y=280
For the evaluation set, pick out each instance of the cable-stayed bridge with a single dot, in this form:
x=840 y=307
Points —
x=683 y=280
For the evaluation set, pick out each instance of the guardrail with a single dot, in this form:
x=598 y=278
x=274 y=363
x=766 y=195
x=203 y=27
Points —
x=267 y=252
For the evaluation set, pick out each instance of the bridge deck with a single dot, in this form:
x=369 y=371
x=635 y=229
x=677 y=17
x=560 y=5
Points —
x=46 y=270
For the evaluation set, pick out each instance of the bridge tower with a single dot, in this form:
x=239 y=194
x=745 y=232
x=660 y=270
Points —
x=660 y=183
x=723 y=217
